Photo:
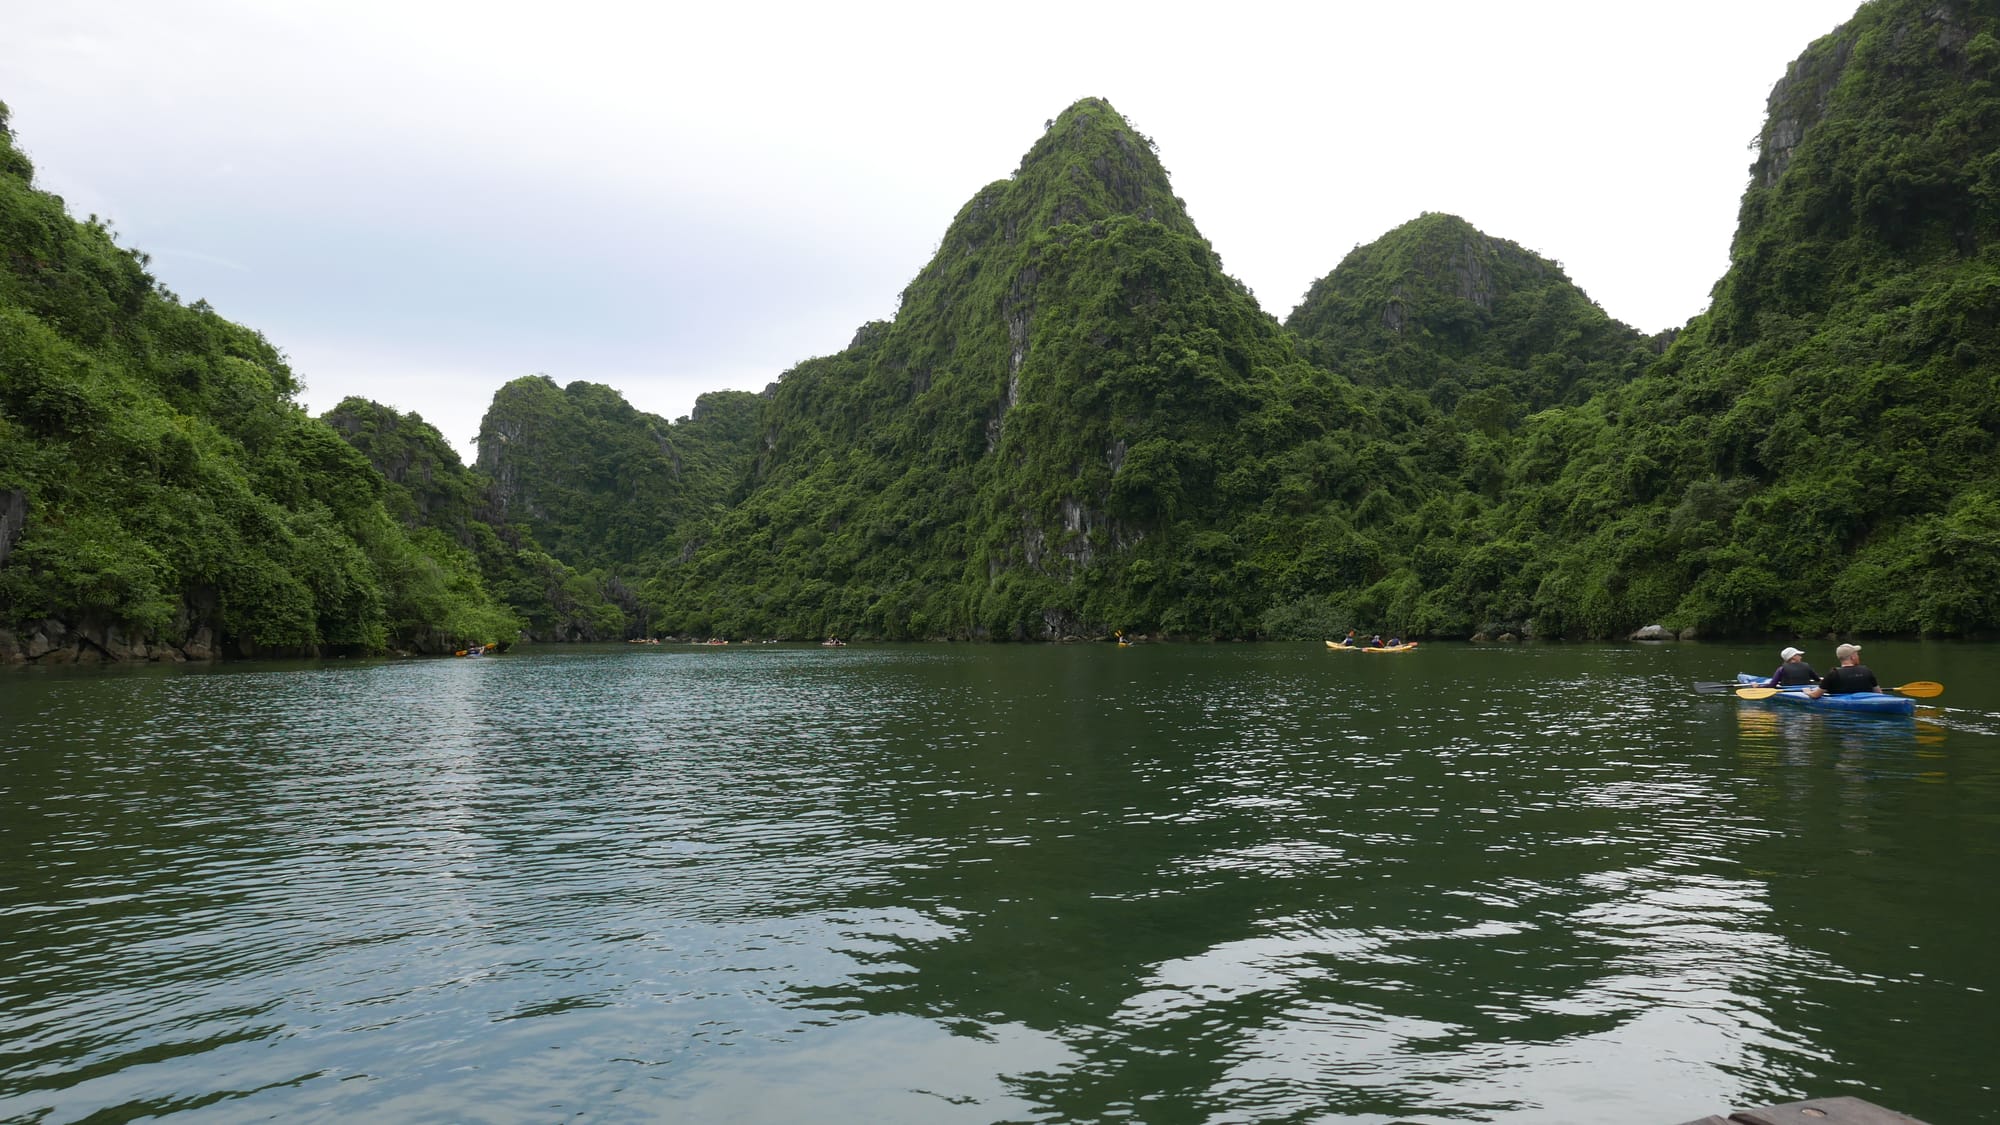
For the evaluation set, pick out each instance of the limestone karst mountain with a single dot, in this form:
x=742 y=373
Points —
x=162 y=494
x=1473 y=321
x=1817 y=453
x=1068 y=401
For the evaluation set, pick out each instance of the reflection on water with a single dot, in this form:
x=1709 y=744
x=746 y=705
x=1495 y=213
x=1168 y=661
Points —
x=1785 y=727
x=921 y=884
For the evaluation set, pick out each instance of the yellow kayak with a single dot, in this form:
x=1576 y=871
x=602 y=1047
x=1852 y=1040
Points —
x=1339 y=647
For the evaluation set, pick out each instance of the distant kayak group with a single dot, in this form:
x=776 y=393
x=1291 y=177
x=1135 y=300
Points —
x=1352 y=643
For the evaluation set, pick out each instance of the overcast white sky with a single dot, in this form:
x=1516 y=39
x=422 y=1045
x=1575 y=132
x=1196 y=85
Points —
x=420 y=200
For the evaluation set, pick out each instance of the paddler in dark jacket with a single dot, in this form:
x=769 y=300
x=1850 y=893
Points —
x=1794 y=672
x=1851 y=676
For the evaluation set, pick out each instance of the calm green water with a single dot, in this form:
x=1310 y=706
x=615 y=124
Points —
x=976 y=884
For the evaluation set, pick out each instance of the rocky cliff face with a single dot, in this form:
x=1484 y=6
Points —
x=1874 y=158
x=55 y=642
x=1798 y=102
x=13 y=518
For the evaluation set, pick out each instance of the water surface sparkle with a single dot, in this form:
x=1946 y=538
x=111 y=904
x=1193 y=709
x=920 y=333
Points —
x=929 y=883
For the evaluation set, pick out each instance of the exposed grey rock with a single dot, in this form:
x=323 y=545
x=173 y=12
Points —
x=201 y=646
x=118 y=646
x=1654 y=633
x=13 y=517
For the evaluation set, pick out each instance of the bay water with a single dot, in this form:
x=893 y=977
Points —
x=950 y=883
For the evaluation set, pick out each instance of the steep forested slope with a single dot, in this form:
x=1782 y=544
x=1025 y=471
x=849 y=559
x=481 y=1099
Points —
x=604 y=485
x=450 y=507
x=1076 y=422
x=607 y=483
x=1817 y=452
x=162 y=495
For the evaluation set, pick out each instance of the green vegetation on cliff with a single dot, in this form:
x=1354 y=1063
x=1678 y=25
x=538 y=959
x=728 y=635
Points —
x=1487 y=330
x=603 y=485
x=618 y=478
x=1078 y=422
x=175 y=497
x=1817 y=452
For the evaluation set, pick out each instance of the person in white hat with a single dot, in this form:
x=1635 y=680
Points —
x=1851 y=676
x=1794 y=672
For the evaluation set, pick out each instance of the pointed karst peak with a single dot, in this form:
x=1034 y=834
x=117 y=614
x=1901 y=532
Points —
x=1089 y=164
x=1452 y=255
x=1438 y=303
x=1089 y=167
x=1437 y=254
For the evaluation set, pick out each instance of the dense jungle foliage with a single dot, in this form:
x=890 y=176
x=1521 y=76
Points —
x=173 y=495
x=435 y=496
x=1817 y=452
x=1077 y=422
x=1488 y=331
x=583 y=452
x=604 y=485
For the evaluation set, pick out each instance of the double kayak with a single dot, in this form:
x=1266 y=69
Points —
x=1404 y=647
x=1874 y=702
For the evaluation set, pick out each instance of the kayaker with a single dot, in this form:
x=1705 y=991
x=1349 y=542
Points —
x=1851 y=676
x=1375 y=641
x=1794 y=672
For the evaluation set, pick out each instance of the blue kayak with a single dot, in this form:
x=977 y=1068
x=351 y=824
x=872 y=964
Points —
x=1880 y=703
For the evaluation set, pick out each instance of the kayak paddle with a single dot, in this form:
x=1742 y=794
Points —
x=1916 y=689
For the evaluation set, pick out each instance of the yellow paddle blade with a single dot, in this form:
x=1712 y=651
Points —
x=1921 y=689
x=1756 y=692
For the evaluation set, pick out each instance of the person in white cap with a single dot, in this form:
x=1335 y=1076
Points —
x=1794 y=672
x=1851 y=676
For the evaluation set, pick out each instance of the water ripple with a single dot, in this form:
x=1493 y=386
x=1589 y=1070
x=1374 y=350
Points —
x=952 y=884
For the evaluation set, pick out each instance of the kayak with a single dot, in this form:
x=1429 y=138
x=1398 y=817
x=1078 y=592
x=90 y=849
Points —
x=1404 y=647
x=1874 y=702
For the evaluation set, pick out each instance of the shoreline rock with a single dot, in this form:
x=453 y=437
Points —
x=55 y=642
